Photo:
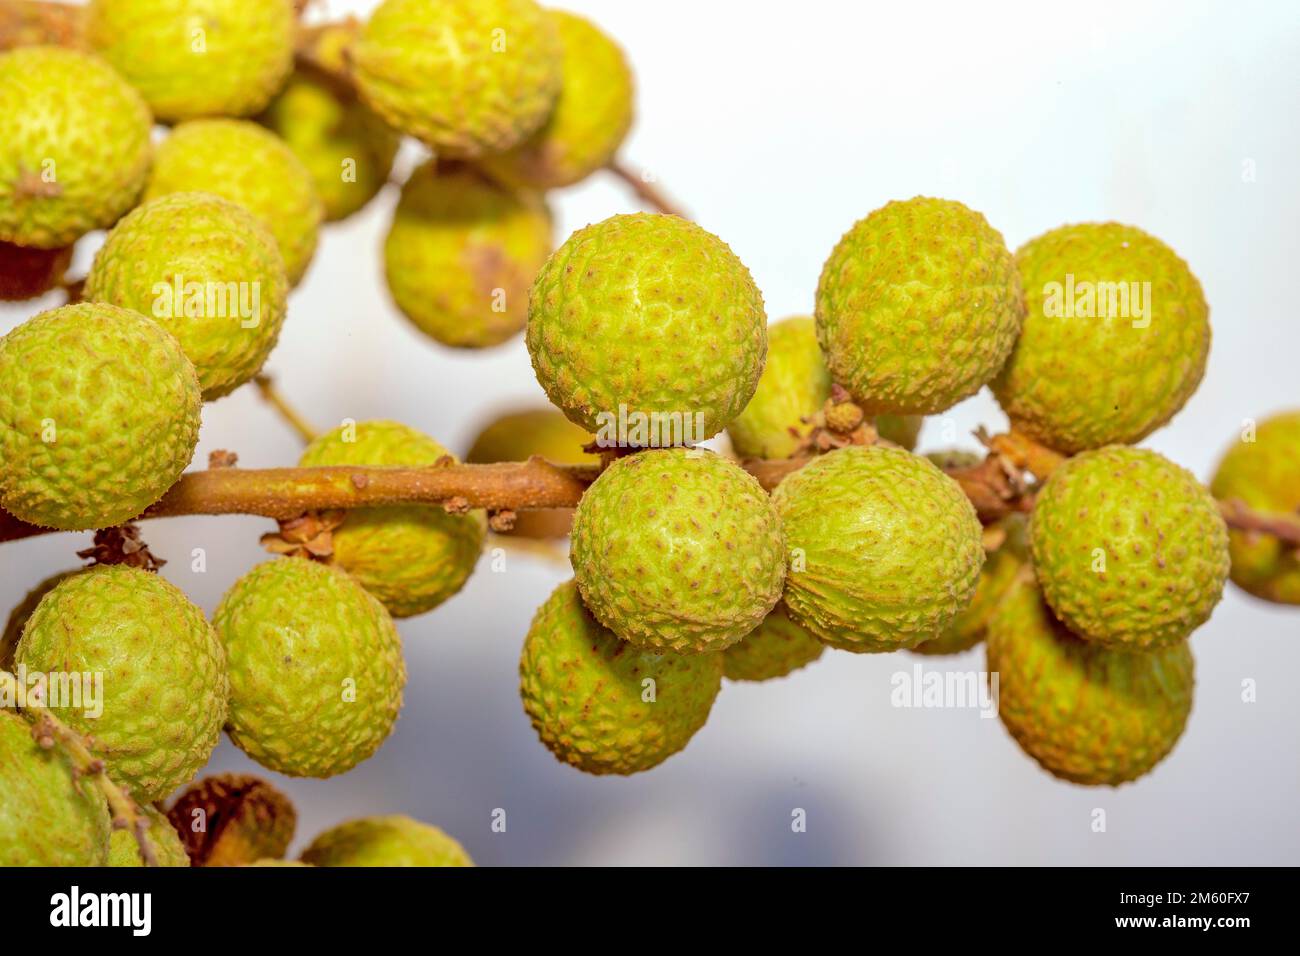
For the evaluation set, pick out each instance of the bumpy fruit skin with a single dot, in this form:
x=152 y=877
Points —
x=462 y=253
x=206 y=271
x=467 y=77
x=45 y=818
x=1130 y=549
x=918 y=306
x=74 y=146
x=902 y=430
x=517 y=436
x=247 y=164
x=164 y=672
x=1000 y=572
x=26 y=273
x=385 y=841
x=193 y=58
x=124 y=851
x=1264 y=474
x=590 y=118
x=678 y=549
x=244 y=820
x=775 y=648
x=1088 y=714
x=1051 y=387
x=653 y=313
x=316 y=669
x=603 y=705
x=99 y=415
x=13 y=632
x=885 y=549
x=794 y=385
x=411 y=557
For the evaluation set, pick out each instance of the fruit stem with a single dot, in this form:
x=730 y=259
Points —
x=645 y=189
x=271 y=395
x=48 y=731
x=31 y=22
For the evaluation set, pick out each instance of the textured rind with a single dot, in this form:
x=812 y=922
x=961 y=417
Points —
x=462 y=253
x=198 y=238
x=244 y=818
x=249 y=165
x=303 y=638
x=652 y=312
x=118 y=400
x=124 y=851
x=678 y=549
x=411 y=557
x=775 y=648
x=591 y=116
x=164 y=672
x=885 y=549
x=385 y=841
x=1080 y=383
x=45 y=818
x=1164 y=542
x=1265 y=474
x=467 y=77
x=26 y=272
x=1000 y=571
x=70 y=109
x=1088 y=714
x=13 y=631
x=332 y=132
x=794 y=385
x=918 y=306
x=585 y=691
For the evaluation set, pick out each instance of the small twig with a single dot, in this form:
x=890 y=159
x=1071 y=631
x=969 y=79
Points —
x=271 y=395
x=1239 y=516
x=648 y=192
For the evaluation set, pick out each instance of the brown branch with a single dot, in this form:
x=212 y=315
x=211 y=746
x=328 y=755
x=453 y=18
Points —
x=38 y=22
x=271 y=395
x=1286 y=528
x=648 y=192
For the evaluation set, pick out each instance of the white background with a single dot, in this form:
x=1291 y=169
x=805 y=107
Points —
x=777 y=125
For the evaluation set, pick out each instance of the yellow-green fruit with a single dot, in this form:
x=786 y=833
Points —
x=394 y=840
x=13 y=631
x=245 y=163
x=1088 y=714
x=590 y=118
x=74 y=146
x=124 y=850
x=794 y=386
x=603 y=705
x=516 y=436
x=1264 y=474
x=1103 y=296
x=206 y=271
x=467 y=77
x=461 y=254
x=316 y=669
x=192 y=58
x=885 y=548
x=1130 y=549
x=918 y=306
x=647 y=330
x=775 y=648
x=26 y=272
x=902 y=430
x=411 y=557
x=678 y=550
x=99 y=415
x=46 y=817
x=1001 y=568
x=347 y=148
x=157 y=716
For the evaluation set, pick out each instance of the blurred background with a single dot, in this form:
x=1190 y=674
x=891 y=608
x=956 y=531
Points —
x=777 y=126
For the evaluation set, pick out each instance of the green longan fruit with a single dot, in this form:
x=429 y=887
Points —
x=205 y=270
x=902 y=430
x=775 y=648
x=26 y=273
x=1130 y=549
x=1051 y=389
x=247 y=164
x=13 y=632
x=885 y=549
x=1086 y=713
x=195 y=58
x=678 y=550
x=651 y=315
x=918 y=307
x=411 y=557
x=99 y=415
x=602 y=704
x=124 y=851
x=794 y=385
x=462 y=253
x=74 y=146
x=394 y=840
x=1265 y=475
